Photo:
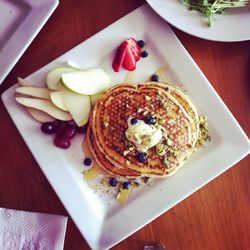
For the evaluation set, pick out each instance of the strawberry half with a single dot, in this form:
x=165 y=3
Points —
x=128 y=53
x=119 y=57
x=129 y=62
x=136 y=50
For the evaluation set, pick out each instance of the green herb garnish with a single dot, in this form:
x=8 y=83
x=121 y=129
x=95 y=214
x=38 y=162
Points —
x=211 y=7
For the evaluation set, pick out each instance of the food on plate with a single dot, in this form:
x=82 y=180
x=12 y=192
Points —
x=54 y=76
x=58 y=102
x=39 y=115
x=45 y=106
x=134 y=132
x=127 y=54
x=211 y=7
x=88 y=82
x=149 y=129
x=42 y=93
x=77 y=105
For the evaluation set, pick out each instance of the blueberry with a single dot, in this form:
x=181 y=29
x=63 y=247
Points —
x=155 y=78
x=87 y=161
x=142 y=157
x=144 y=53
x=113 y=182
x=150 y=120
x=141 y=43
x=126 y=185
x=133 y=121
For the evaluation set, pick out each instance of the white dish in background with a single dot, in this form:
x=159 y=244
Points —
x=100 y=219
x=233 y=25
x=20 y=23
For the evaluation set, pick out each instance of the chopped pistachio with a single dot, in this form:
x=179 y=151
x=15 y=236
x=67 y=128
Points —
x=203 y=136
x=161 y=121
x=159 y=92
x=158 y=116
x=169 y=142
x=139 y=110
x=160 y=149
x=126 y=152
x=165 y=161
x=105 y=124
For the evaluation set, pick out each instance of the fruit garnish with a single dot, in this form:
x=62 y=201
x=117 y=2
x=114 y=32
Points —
x=127 y=54
x=155 y=78
x=129 y=61
x=141 y=43
x=54 y=76
x=45 y=106
x=144 y=53
x=119 y=57
x=88 y=82
x=42 y=93
x=87 y=161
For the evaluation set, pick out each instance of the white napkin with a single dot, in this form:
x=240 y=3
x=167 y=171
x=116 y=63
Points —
x=20 y=230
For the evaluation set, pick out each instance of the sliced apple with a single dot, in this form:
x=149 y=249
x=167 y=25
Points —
x=74 y=65
x=45 y=106
x=89 y=82
x=79 y=106
x=57 y=99
x=42 y=93
x=39 y=115
x=94 y=99
x=54 y=76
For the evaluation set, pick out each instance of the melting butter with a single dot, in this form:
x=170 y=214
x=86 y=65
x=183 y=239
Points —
x=142 y=135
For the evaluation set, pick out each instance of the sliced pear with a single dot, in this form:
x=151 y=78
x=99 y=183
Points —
x=94 y=99
x=57 y=99
x=39 y=115
x=42 y=93
x=89 y=82
x=45 y=106
x=55 y=75
x=23 y=83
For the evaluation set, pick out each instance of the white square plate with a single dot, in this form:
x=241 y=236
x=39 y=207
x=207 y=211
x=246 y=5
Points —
x=20 y=23
x=101 y=220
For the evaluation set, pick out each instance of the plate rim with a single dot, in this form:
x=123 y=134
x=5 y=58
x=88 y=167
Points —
x=152 y=4
x=48 y=8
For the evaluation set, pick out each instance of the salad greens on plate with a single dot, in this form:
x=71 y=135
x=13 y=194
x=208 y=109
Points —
x=211 y=7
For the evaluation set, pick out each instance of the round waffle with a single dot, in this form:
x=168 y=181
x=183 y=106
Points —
x=176 y=117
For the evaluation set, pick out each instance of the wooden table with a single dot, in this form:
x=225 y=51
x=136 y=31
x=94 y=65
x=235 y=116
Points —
x=215 y=217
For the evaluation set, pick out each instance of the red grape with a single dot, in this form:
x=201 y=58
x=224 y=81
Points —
x=59 y=142
x=60 y=125
x=68 y=132
x=83 y=129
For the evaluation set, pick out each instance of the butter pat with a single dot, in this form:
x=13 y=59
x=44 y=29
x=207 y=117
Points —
x=142 y=135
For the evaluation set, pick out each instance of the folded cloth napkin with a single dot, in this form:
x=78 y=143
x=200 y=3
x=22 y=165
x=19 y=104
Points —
x=20 y=230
